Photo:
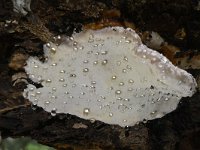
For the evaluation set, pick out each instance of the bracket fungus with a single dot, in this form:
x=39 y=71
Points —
x=107 y=75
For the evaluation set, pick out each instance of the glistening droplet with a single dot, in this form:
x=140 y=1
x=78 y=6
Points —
x=118 y=92
x=86 y=111
x=85 y=70
x=53 y=111
x=104 y=62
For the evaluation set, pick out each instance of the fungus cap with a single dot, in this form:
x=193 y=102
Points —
x=107 y=75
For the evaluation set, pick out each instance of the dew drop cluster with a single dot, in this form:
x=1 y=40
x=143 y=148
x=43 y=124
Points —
x=106 y=75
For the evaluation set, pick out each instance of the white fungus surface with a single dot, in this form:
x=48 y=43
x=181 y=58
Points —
x=107 y=75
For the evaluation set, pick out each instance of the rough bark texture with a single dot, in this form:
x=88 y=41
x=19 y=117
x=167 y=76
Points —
x=21 y=36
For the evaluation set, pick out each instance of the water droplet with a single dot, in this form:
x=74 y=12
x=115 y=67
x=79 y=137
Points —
x=61 y=80
x=119 y=98
x=48 y=45
x=95 y=62
x=92 y=120
x=93 y=82
x=130 y=81
x=124 y=70
x=153 y=59
x=64 y=85
x=153 y=112
x=54 y=64
x=47 y=102
x=71 y=97
x=125 y=58
x=53 y=50
x=128 y=67
x=128 y=41
x=144 y=56
x=75 y=43
x=104 y=52
x=166 y=99
x=53 y=89
x=92 y=87
x=160 y=65
x=86 y=111
x=104 y=62
x=118 y=63
x=110 y=114
x=35 y=101
x=34 y=106
x=38 y=92
x=84 y=85
x=31 y=89
x=103 y=97
x=127 y=99
x=81 y=47
x=98 y=100
x=111 y=88
x=66 y=93
x=53 y=96
x=86 y=61
x=82 y=93
x=75 y=49
x=59 y=37
x=62 y=71
x=114 y=77
x=118 y=92
x=85 y=70
x=32 y=95
x=73 y=85
x=71 y=38
x=121 y=83
x=32 y=76
x=72 y=75
x=48 y=81
x=53 y=111
x=130 y=89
